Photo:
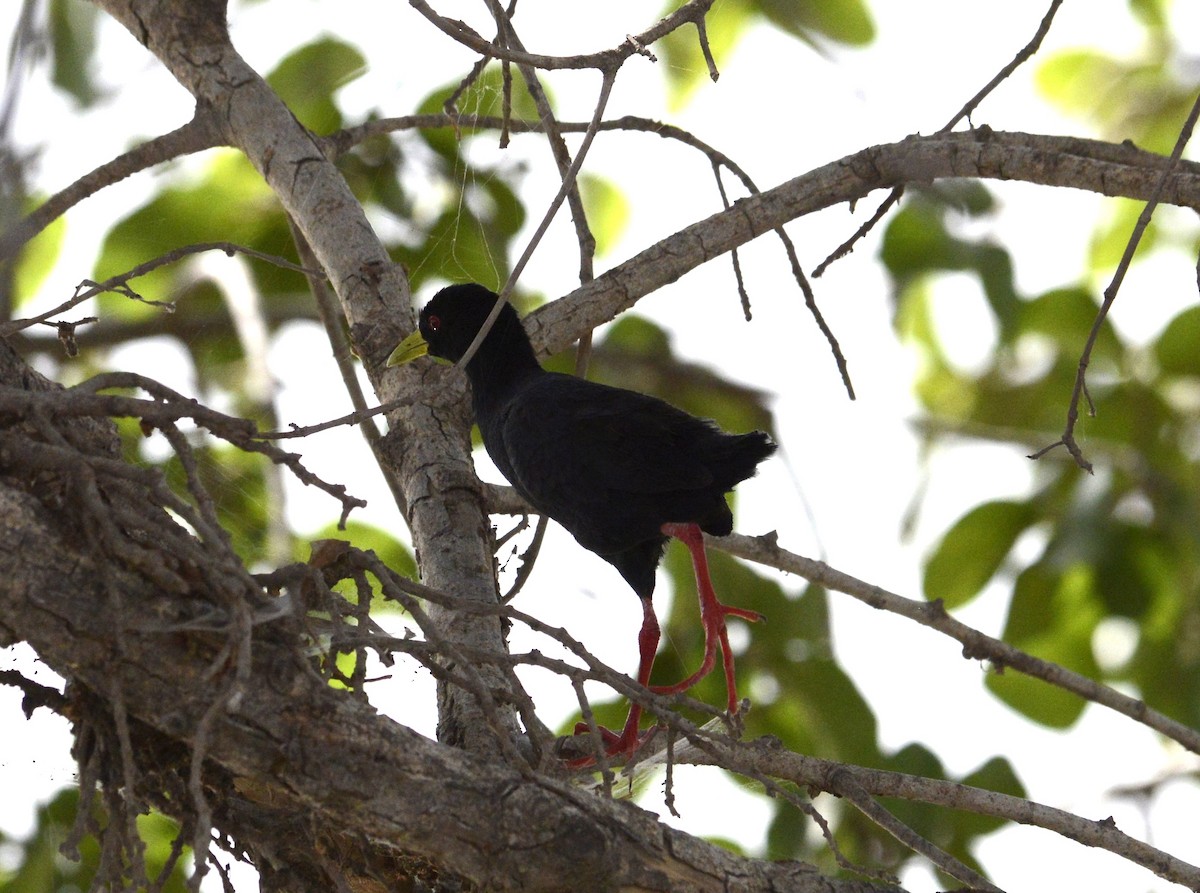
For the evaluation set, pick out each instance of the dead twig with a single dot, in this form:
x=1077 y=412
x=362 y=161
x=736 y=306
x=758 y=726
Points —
x=1023 y=55
x=1079 y=389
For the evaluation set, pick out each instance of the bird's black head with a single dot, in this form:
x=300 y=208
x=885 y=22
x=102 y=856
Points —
x=452 y=319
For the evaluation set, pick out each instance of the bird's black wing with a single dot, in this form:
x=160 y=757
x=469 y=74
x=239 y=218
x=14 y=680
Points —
x=574 y=434
x=612 y=466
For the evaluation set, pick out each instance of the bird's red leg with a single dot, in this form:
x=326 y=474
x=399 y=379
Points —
x=712 y=615
x=629 y=739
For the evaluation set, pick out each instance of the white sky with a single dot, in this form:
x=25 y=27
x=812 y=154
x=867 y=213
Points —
x=779 y=109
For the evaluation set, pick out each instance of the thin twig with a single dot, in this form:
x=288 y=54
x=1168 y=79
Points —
x=334 y=323
x=528 y=559
x=351 y=418
x=850 y=789
x=167 y=406
x=1079 y=390
x=606 y=85
x=119 y=283
x=604 y=60
x=765 y=550
x=197 y=135
x=343 y=140
x=1024 y=55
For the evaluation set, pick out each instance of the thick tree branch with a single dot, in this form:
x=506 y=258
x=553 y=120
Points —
x=290 y=745
x=427 y=443
x=766 y=758
x=982 y=153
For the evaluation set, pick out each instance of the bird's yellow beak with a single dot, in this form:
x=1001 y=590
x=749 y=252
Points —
x=409 y=349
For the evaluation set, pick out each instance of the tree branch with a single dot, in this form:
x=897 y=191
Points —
x=1070 y=162
x=976 y=646
x=605 y=60
x=427 y=443
x=200 y=133
x=291 y=745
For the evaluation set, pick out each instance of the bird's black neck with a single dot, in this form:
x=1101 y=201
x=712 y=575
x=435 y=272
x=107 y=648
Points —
x=503 y=361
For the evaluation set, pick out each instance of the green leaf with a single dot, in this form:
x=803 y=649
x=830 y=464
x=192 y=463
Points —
x=607 y=209
x=915 y=241
x=1052 y=616
x=1110 y=239
x=1151 y=13
x=458 y=250
x=1144 y=100
x=683 y=60
x=308 y=78
x=973 y=549
x=1177 y=349
x=390 y=550
x=1164 y=666
x=235 y=481
x=843 y=21
x=917 y=760
x=36 y=865
x=1066 y=316
x=484 y=97
x=230 y=203
x=1132 y=569
x=73 y=35
x=37 y=259
x=1078 y=81
x=636 y=354
x=995 y=775
x=922 y=239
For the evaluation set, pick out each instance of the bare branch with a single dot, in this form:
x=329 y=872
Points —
x=167 y=407
x=200 y=133
x=1079 y=389
x=334 y=325
x=605 y=60
x=765 y=757
x=976 y=646
x=1023 y=55
x=568 y=184
x=120 y=283
x=982 y=153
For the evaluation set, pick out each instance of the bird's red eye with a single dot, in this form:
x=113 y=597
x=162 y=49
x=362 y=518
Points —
x=434 y=323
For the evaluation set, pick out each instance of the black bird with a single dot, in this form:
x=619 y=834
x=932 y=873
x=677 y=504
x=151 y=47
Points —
x=621 y=471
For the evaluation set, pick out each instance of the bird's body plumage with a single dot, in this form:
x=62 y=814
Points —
x=616 y=468
x=644 y=464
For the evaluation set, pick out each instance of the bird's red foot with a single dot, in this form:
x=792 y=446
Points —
x=623 y=745
x=712 y=614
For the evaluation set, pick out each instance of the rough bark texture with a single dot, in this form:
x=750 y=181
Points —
x=431 y=451
x=983 y=153
x=313 y=782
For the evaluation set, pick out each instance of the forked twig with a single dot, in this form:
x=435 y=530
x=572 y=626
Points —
x=120 y=283
x=1079 y=390
x=1026 y=53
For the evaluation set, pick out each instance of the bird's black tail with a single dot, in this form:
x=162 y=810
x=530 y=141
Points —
x=731 y=459
x=738 y=456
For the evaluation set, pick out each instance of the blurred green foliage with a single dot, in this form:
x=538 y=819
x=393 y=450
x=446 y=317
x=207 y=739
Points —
x=846 y=22
x=1120 y=546
x=37 y=865
x=38 y=259
x=72 y=33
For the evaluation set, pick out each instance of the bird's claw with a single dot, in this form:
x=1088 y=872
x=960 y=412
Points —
x=623 y=745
